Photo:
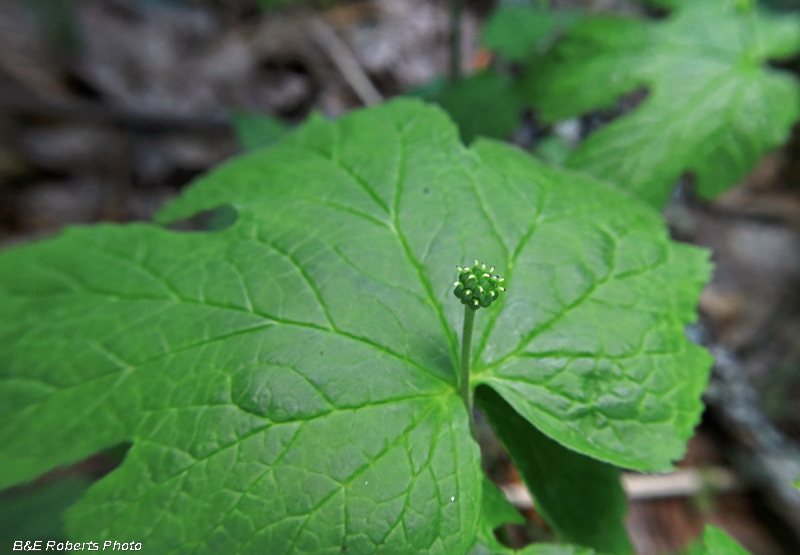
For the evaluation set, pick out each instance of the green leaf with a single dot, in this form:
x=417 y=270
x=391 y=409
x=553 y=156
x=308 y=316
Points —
x=579 y=497
x=518 y=31
x=257 y=130
x=554 y=549
x=486 y=104
x=288 y=382
x=625 y=393
x=553 y=150
x=34 y=512
x=713 y=109
x=718 y=543
x=496 y=509
x=490 y=546
x=714 y=542
x=696 y=547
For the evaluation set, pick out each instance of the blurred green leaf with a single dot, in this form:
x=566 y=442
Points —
x=34 y=512
x=59 y=21
x=485 y=104
x=553 y=150
x=257 y=130
x=490 y=546
x=518 y=31
x=714 y=105
x=719 y=543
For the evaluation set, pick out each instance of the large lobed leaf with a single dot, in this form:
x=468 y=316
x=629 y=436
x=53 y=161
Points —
x=288 y=382
x=713 y=109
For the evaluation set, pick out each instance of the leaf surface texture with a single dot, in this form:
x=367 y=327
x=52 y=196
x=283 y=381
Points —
x=288 y=382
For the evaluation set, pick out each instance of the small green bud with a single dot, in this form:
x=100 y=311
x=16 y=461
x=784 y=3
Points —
x=476 y=287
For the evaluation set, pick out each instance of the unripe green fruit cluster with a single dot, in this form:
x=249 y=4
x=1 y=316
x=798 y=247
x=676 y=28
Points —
x=476 y=287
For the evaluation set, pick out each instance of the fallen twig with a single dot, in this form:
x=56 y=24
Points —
x=682 y=483
x=345 y=61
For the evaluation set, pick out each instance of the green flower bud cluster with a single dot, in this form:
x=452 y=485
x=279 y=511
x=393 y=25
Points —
x=476 y=287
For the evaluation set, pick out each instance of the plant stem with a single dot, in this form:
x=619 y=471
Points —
x=455 y=40
x=466 y=357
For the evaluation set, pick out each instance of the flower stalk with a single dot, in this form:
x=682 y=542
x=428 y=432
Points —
x=476 y=288
x=466 y=356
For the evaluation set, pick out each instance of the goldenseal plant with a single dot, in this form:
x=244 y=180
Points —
x=291 y=383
